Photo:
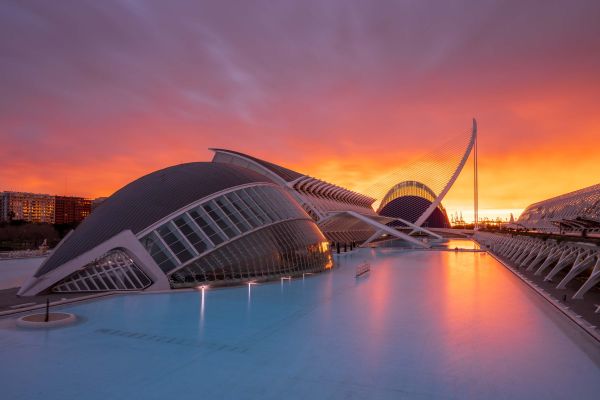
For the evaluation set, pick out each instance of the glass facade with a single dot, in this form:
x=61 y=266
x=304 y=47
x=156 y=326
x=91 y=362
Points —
x=251 y=232
x=285 y=248
x=158 y=251
x=114 y=271
x=574 y=211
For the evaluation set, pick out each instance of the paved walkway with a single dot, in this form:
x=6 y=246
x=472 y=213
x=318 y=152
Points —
x=10 y=302
x=582 y=308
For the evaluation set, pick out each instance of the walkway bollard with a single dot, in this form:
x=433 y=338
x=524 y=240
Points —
x=47 y=317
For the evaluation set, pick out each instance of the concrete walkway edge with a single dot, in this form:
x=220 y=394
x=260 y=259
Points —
x=575 y=318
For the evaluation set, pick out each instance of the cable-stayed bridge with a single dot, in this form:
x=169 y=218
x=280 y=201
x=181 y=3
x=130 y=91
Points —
x=414 y=192
x=401 y=204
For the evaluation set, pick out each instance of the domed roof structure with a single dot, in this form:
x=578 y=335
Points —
x=177 y=227
x=408 y=200
x=147 y=200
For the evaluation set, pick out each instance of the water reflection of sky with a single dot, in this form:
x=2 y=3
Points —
x=456 y=243
x=421 y=324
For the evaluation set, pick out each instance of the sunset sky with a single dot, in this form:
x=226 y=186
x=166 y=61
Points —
x=97 y=93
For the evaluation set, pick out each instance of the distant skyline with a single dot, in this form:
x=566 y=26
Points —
x=97 y=94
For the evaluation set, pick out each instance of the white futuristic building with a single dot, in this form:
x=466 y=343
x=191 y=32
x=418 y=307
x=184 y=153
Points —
x=235 y=219
x=571 y=212
x=341 y=214
x=562 y=262
x=571 y=263
x=184 y=226
x=225 y=222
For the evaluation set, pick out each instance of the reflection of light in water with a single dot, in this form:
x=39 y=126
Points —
x=250 y=291
x=202 y=289
x=202 y=307
x=285 y=278
x=461 y=244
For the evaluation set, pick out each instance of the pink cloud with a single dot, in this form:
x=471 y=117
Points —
x=98 y=94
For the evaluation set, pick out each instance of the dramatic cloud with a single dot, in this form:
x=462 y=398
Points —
x=97 y=93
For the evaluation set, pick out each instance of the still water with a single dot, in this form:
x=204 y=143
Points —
x=420 y=325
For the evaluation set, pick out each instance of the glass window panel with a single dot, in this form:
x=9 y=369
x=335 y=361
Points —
x=219 y=217
x=286 y=203
x=260 y=214
x=142 y=277
x=175 y=243
x=108 y=283
x=266 y=207
x=82 y=285
x=243 y=210
x=188 y=229
x=100 y=283
x=273 y=200
x=232 y=214
x=116 y=278
x=133 y=278
x=130 y=284
x=158 y=252
x=90 y=283
x=127 y=282
x=214 y=262
x=206 y=225
x=289 y=247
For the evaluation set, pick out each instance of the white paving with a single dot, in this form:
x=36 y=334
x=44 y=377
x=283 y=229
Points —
x=15 y=272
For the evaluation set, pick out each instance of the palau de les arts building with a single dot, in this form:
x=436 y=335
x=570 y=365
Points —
x=233 y=220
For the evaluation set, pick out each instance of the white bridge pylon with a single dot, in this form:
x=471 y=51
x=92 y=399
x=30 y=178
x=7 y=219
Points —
x=442 y=194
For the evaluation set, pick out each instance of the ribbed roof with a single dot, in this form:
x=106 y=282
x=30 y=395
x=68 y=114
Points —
x=286 y=174
x=147 y=200
x=408 y=188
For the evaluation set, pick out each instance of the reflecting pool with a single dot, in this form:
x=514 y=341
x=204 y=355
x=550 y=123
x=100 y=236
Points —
x=420 y=325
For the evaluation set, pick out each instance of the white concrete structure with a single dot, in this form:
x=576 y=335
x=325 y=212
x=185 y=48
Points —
x=547 y=257
x=183 y=226
x=571 y=212
x=438 y=200
x=341 y=214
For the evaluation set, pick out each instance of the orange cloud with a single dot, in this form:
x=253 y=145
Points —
x=95 y=96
